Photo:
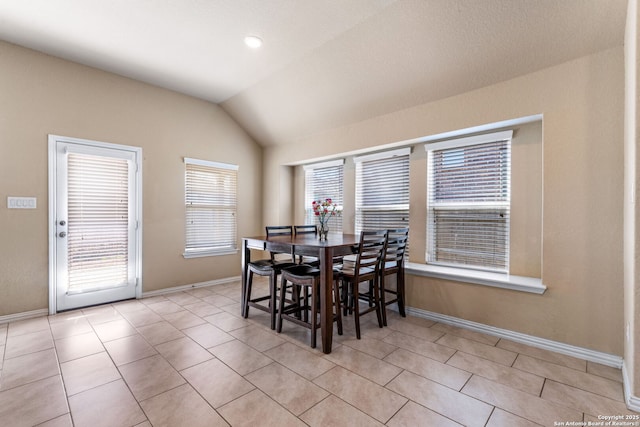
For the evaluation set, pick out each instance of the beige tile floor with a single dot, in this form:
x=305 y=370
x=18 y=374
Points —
x=189 y=359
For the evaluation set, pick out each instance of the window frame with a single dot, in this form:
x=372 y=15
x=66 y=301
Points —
x=504 y=205
x=385 y=208
x=230 y=246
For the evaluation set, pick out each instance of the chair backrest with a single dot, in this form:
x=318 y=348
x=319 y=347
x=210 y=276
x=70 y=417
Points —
x=305 y=229
x=395 y=247
x=370 y=251
x=280 y=230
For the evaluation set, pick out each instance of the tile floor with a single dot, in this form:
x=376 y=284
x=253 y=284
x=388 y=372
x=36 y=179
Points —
x=189 y=359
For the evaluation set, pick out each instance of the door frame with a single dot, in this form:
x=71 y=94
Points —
x=53 y=181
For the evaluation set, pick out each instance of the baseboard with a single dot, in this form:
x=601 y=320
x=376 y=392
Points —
x=24 y=315
x=191 y=286
x=543 y=343
x=633 y=402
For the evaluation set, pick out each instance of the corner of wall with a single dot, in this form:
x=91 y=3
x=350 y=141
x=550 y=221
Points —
x=631 y=211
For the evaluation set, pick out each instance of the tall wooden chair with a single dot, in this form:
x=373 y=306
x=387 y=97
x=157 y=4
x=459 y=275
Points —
x=307 y=229
x=308 y=278
x=393 y=264
x=364 y=266
x=270 y=268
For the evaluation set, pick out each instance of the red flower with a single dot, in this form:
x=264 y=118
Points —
x=324 y=209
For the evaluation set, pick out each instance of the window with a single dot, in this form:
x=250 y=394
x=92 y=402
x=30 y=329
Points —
x=468 y=202
x=324 y=181
x=382 y=190
x=211 y=203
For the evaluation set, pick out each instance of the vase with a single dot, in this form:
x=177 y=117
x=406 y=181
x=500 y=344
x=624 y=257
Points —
x=323 y=231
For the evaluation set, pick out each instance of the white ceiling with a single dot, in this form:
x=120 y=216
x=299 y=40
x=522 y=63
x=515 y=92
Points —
x=324 y=63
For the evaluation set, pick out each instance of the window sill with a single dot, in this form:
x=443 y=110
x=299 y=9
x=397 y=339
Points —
x=201 y=254
x=497 y=280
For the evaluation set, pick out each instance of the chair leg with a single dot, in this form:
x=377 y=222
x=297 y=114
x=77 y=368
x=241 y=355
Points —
x=247 y=294
x=383 y=300
x=345 y=296
x=336 y=298
x=400 y=290
x=314 y=313
x=295 y=299
x=283 y=288
x=272 y=300
x=376 y=297
x=356 y=308
x=306 y=300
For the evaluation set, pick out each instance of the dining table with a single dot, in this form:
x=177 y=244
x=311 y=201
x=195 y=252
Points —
x=336 y=244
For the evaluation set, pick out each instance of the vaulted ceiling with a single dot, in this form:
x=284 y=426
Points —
x=324 y=63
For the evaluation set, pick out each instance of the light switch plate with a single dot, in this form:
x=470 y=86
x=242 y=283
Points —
x=21 y=202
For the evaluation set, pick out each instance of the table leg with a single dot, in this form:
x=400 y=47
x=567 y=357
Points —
x=246 y=257
x=326 y=298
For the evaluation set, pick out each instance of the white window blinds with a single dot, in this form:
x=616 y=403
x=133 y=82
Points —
x=98 y=222
x=469 y=202
x=324 y=181
x=382 y=190
x=211 y=204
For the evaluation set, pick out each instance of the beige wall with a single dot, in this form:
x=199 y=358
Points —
x=582 y=161
x=582 y=105
x=43 y=95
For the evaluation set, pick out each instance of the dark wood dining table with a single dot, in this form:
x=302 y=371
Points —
x=337 y=244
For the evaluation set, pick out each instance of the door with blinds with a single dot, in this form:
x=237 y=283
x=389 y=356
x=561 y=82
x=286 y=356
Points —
x=95 y=208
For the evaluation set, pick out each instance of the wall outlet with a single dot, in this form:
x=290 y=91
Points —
x=21 y=202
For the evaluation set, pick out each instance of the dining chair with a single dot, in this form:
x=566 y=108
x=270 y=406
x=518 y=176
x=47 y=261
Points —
x=305 y=279
x=279 y=230
x=307 y=229
x=364 y=266
x=393 y=264
x=270 y=268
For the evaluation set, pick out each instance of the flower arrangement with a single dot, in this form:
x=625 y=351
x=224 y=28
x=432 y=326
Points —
x=324 y=210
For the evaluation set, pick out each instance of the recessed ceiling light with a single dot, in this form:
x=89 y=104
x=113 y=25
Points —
x=253 y=42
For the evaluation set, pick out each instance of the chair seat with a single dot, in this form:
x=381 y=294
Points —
x=302 y=270
x=262 y=264
x=390 y=264
x=348 y=265
x=267 y=264
x=309 y=260
x=351 y=272
x=283 y=264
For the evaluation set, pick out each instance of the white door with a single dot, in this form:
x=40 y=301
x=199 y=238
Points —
x=94 y=215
